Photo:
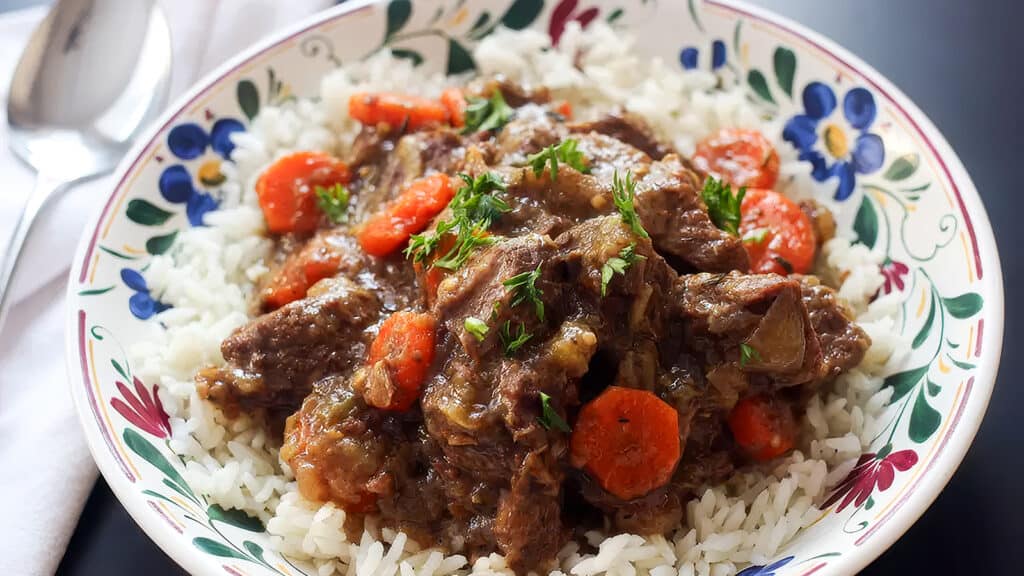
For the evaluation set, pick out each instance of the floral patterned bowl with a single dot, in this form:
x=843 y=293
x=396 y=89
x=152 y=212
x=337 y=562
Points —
x=903 y=193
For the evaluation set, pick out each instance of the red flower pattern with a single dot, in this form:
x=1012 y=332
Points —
x=871 y=471
x=143 y=409
x=894 y=272
x=564 y=13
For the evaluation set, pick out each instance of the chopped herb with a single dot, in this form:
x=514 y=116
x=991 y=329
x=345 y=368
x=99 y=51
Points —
x=477 y=327
x=755 y=236
x=549 y=417
x=524 y=289
x=623 y=194
x=333 y=202
x=618 y=265
x=786 y=265
x=564 y=152
x=473 y=209
x=748 y=354
x=512 y=342
x=486 y=113
x=723 y=205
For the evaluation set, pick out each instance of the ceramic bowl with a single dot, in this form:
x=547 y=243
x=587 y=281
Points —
x=919 y=209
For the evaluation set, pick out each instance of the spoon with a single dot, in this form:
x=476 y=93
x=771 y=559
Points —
x=94 y=73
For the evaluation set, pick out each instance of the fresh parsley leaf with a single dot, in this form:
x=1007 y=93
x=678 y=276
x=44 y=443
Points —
x=748 y=354
x=755 y=236
x=786 y=264
x=618 y=265
x=477 y=327
x=563 y=152
x=473 y=209
x=549 y=417
x=512 y=342
x=333 y=202
x=723 y=205
x=623 y=194
x=486 y=113
x=524 y=289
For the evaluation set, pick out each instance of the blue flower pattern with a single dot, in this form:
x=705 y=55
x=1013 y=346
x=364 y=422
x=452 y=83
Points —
x=767 y=570
x=189 y=141
x=826 y=144
x=690 y=55
x=141 y=304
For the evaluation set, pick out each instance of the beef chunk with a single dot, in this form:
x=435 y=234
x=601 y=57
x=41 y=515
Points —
x=843 y=343
x=273 y=361
x=766 y=314
x=670 y=206
x=628 y=128
x=822 y=221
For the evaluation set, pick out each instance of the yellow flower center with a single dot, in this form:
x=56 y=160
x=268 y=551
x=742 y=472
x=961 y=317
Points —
x=210 y=174
x=836 y=142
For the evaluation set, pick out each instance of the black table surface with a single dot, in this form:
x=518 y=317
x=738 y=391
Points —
x=959 y=61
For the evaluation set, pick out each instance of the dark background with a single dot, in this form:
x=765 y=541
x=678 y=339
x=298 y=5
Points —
x=959 y=60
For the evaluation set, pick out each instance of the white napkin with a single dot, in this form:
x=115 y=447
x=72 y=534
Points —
x=47 y=471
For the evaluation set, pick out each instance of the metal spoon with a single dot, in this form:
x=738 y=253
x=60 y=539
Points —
x=94 y=73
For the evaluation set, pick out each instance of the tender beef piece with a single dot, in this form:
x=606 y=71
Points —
x=531 y=130
x=273 y=361
x=765 y=312
x=843 y=343
x=388 y=162
x=670 y=206
x=528 y=525
x=629 y=128
x=515 y=94
x=822 y=220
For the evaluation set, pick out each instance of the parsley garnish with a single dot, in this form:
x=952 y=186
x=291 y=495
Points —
x=748 y=354
x=333 y=202
x=623 y=194
x=477 y=327
x=512 y=342
x=486 y=113
x=524 y=289
x=549 y=418
x=618 y=265
x=565 y=152
x=755 y=236
x=473 y=209
x=723 y=206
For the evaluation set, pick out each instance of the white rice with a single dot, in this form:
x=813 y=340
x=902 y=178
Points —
x=208 y=278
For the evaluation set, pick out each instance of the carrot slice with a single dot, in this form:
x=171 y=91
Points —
x=410 y=213
x=287 y=190
x=627 y=440
x=763 y=428
x=741 y=157
x=565 y=109
x=405 y=348
x=455 y=103
x=317 y=260
x=412 y=112
x=777 y=234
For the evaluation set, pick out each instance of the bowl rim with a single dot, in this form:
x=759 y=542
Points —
x=889 y=528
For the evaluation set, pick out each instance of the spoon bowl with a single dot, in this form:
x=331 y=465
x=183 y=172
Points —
x=93 y=75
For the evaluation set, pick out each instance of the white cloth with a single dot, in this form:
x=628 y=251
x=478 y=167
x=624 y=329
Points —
x=47 y=471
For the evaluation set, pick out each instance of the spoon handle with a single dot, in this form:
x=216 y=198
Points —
x=44 y=188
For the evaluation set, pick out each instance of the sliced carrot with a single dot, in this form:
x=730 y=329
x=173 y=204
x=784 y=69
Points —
x=777 y=234
x=741 y=157
x=565 y=109
x=627 y=440
x=317 y=260
x=764 y=428
x=412 y=112
x=287 y=190
x=410 y=213
x=405 y=346
x=455 y=103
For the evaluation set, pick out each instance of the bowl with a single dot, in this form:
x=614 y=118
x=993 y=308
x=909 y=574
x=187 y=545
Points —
x=919 y=211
